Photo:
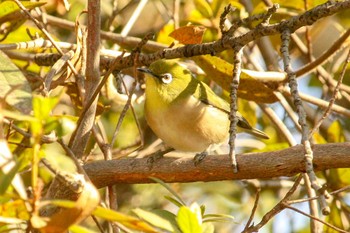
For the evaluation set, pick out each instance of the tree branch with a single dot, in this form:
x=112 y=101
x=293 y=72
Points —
x=287 y=162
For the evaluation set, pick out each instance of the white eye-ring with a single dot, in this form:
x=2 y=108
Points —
x=167 y=78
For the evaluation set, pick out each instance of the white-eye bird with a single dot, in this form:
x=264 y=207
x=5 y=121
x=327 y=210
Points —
x=184 y=112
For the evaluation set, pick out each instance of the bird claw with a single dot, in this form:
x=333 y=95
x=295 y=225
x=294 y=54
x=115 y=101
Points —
x=199 y=157
x=157 y=156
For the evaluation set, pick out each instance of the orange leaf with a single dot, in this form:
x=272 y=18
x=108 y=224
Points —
x=189 y=34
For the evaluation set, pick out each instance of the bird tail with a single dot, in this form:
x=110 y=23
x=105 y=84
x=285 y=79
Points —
x=257 y=133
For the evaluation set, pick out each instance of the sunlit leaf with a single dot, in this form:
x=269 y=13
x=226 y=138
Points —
x=80 y=229
x=6 y=178
x=163 y=35
x=14 y=88
x=188 y=221
x=58 y=159
x=208 y=227
x=14 y=209
x=43 y=106
x=249 y=88
x=217 y=217
x=162 y=219
x=204 y=8
x=334 y=218
x=9 y=7
x=335 y=132
x=128 y=221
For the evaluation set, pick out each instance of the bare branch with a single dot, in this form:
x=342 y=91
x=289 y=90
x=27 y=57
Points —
x=180 y=168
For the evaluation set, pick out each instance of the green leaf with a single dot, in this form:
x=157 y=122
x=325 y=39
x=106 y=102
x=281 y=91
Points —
x=188 y=221
x=43 y=106
x=128 y=221
x=14 y=88
x=208 y=227
x=174 y=201
x=162 y=218
x=17 y=116
x=6 y=179
x=217 y=218
x=58 y=159
x=178 y=198
x=9 y=7
x=250 y=87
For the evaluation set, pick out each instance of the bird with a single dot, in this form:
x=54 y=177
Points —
x=185 y=112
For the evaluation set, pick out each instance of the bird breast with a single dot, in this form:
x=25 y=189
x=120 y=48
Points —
x=188 y=124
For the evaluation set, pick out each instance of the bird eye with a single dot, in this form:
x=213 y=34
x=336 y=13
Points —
x=167 y=78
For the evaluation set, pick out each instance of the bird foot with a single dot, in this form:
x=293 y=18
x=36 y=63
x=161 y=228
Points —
x=157 y=156
x=199 y=157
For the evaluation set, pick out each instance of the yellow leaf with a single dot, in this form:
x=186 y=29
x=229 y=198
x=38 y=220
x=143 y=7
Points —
x=250 y=88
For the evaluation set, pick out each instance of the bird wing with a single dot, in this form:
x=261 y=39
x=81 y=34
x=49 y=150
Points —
x=206 y=95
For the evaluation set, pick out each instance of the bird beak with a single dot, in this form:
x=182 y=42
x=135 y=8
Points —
x=147 y=71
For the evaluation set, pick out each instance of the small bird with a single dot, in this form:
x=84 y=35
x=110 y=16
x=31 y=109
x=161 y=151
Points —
x=184 y=112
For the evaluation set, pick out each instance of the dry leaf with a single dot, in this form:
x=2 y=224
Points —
x=189 y=34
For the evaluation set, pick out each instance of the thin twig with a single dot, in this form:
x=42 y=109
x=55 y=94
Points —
x=285 y=37
x=256 y=202
x=278 y=123
x=318 y=102
x=276 y=209
x=316 y=197
x=314 y=218
x=237 y=63
x=327 y=111
x=324 y=57
x=289 y=110
x=46 y=33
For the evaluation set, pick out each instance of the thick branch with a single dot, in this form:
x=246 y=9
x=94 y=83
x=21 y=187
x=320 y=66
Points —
x=287 y=162
x=294 y=23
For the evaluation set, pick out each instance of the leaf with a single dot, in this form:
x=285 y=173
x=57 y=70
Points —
x=6 y=178
x=163 y=35
x=11 y=17
x=9 y=168
x=189 y=34
x=217 y=217
x=250 y=88
x=208 y=227
x=128 y=221
x=43 y=106
x=12 y=210
x=87 y=201
x=204 y=8
x=58 y=159
x=169 y=189
x=335 y=132
x=10 y=7
x=80 y=229
x=188 y=221
x=334 y=218
x=174 y=201
x=162 y=219
x=14 y=88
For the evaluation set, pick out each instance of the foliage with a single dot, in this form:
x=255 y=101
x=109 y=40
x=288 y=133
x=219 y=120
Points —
x=42 y=104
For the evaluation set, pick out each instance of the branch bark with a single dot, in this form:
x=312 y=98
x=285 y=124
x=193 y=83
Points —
x=287 y=162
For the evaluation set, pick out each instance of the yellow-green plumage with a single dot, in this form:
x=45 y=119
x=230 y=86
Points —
x=184 y=112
